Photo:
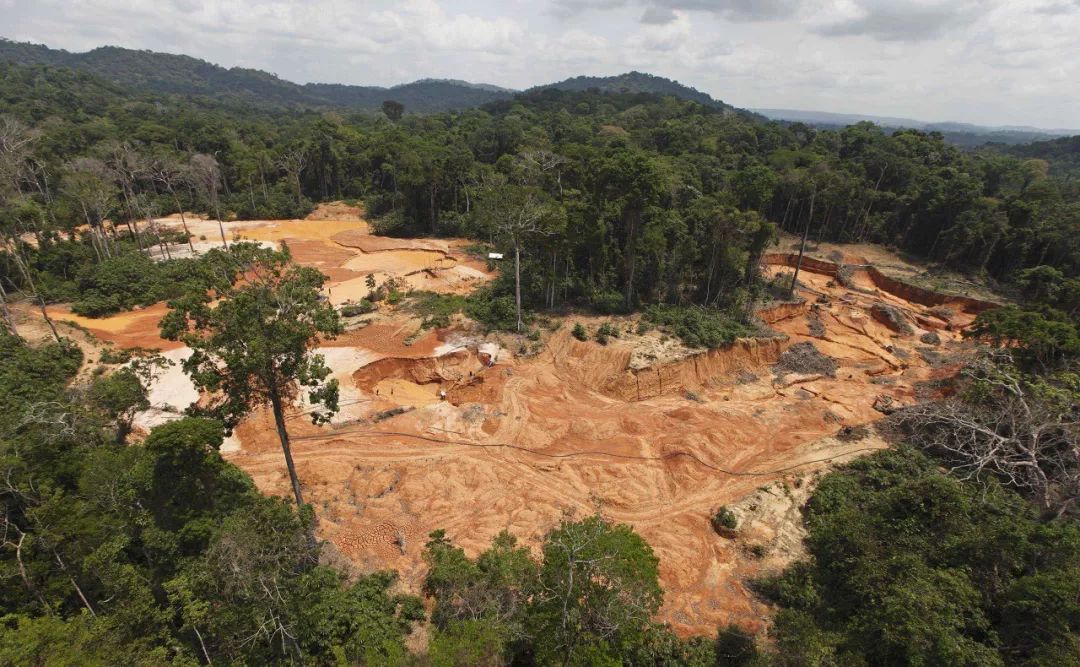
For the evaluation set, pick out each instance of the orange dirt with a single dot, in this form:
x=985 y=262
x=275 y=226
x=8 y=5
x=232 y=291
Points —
x=658 y=439
x=577 y=426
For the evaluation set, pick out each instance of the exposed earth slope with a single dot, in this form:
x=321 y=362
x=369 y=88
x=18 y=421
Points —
x=450 y=429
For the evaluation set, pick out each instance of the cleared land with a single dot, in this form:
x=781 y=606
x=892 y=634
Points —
x=655 y=434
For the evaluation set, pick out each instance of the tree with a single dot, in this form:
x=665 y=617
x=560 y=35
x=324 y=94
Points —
x=171 y=174
x=293 y=162
x=519 y=214
x=1016 y=429
x=206 y=176
x=393 y=110
x=597 y=590
x=254 y=346
x=122 y=394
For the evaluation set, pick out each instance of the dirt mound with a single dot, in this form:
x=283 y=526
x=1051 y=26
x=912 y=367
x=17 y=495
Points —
x=336 y=211
x=805 y=359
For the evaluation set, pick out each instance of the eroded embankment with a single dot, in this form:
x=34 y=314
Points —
x=606 y=369
x=888 y=284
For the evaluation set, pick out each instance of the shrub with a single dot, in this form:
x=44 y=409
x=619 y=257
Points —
x=609 y=303
x=700 y=327
x=436 y=309
x=354 y=309
x=724 y=520
x=579 y=332
x=493 y=311
x=607 y=330
x=113 y=356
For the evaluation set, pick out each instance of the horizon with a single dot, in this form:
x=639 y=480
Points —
x=873 y=117
x=982 y=62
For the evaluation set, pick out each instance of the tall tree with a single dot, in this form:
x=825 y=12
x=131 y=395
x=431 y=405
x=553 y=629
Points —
x=254 y=346
x=519 y=214
x=205 y=174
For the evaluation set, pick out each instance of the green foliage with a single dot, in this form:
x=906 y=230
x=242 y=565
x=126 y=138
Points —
x=436 y=309
x=604 y=331
x=354 y=309
x=579 y=332
x=159 y=552
x=494 y=311
x=1046 y=338
x=724 y=520
x=468 y=642
x=910 y=566
x=254 y=344
x=589 y=600
x=699 y=327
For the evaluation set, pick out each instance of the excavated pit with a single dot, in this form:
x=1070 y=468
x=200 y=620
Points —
x=516 y=441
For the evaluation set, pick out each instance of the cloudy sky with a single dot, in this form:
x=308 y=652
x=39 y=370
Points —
x=983 y=61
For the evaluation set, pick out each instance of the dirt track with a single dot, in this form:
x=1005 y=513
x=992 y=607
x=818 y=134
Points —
x=520 y=440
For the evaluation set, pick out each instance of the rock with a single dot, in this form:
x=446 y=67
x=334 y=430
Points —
x=892 y=318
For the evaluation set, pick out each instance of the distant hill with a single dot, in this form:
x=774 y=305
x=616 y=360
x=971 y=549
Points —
x=1063 y=154
x=184 y=75
x=637 y=82
x=964 y=134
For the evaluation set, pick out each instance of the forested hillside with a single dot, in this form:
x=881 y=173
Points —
x=957 y=547
x=637 y=82
x=1063 y=155
x=184 y=75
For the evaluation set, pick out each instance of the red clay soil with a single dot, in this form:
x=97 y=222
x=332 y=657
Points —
x=515 y=445
x=581 y=426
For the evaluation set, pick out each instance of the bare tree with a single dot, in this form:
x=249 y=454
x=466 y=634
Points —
x=88 y=183
x=126 y=167
x=16 y=142
x=293 y=162
x=206 y=176
x=518 y=214
x=5 y=312
x=539 y=163
x=1024 y=437
x=171 y=175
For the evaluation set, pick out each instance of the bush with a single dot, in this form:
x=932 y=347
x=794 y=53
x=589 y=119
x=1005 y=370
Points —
x=607 y=330
x=608 y=303
x=113 y=356
x=579 y=332
x=436 y=309
x=494 y=312
x=724 y=521
x=354 y=309
x=700 y=327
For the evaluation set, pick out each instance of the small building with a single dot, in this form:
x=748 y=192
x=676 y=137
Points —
x=495 y=255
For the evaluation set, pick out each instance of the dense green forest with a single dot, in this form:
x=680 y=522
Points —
x=959 y=547
x=637 y=198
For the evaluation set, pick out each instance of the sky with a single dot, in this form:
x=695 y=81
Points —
x=990 y=62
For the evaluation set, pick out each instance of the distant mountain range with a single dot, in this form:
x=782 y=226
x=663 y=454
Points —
x=962 y=133
x=184 y=75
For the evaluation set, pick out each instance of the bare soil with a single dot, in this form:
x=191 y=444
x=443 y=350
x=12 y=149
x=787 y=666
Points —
x=653 y=433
